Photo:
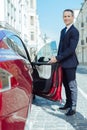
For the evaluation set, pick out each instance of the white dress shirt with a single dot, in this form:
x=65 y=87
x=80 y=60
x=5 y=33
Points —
x=68 y=27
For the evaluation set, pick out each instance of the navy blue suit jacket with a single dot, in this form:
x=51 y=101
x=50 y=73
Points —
x=66 y=53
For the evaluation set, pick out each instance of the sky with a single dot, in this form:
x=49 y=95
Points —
x=50 y=15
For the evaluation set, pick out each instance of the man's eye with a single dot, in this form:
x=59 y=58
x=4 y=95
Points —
x=66 y=16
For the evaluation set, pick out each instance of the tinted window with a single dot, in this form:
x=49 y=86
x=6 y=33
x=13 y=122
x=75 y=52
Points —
x=15 y=43
x=47 y=51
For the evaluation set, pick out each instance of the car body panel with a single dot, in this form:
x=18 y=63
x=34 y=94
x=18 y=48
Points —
x=20 y=79
x=15 y=87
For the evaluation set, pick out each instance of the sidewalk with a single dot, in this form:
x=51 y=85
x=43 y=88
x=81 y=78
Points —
x=46 y=116
x=82 y=69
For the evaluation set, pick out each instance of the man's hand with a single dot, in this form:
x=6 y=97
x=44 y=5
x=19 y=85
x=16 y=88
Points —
x=53 y=60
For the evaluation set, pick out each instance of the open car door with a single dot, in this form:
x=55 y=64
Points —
x=47 y=78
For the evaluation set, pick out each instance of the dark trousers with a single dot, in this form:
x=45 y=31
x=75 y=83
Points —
x=69 y=82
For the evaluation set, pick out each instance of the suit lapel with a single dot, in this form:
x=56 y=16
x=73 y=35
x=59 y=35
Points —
x=64 y=33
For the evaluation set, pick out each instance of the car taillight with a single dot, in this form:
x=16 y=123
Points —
x=6 y=80
x=14 y=82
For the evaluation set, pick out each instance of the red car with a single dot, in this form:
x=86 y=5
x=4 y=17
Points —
x=18 y=83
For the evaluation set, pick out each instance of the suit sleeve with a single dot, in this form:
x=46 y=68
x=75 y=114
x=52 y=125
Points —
x=71 y=49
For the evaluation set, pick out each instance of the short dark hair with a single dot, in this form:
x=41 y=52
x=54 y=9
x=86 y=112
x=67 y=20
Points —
x=69 y=11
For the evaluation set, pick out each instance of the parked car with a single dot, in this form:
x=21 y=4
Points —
x=15 y=82
x=20 y=79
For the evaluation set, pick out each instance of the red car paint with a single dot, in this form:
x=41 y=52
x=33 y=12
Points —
x=15 y=101
x=16 y=82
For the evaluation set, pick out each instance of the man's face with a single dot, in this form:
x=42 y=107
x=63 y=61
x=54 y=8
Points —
x=68 y=18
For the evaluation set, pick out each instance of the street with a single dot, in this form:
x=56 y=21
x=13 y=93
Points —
x=45 y=114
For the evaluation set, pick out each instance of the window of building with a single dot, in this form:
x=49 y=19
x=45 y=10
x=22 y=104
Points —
x=31 y=3
x=82 y=42
x=16 y=44
x=8 y=8
x=8 y=17
x=32 y=36
x=32 y=20
x=8 y=14
x=25 y=20
x=86 y=19
x=11 y=14
x=15 y=14
x=82 y=24
x=86 y=39
x=19 y=16
x=8 y=1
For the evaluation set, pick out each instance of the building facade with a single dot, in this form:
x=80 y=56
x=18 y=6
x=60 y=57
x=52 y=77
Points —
x=14 y=16
x=21 y=17
x=81 y=24
x=34 y=28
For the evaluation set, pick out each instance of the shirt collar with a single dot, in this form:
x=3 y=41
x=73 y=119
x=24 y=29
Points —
x=69 y=26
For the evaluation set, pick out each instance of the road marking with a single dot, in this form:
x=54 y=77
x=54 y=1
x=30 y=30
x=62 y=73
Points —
x=82 y=92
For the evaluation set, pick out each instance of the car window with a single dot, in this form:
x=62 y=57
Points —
x=47 y=51
x=15 y=43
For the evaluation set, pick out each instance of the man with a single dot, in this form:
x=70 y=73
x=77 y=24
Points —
x=66 y=56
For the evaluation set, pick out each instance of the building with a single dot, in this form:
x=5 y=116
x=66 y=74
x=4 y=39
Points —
x=76 y=12
x=32 y=27
x=36 y=40
x=21 y=17
x=14 y=16
x=81 y=24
